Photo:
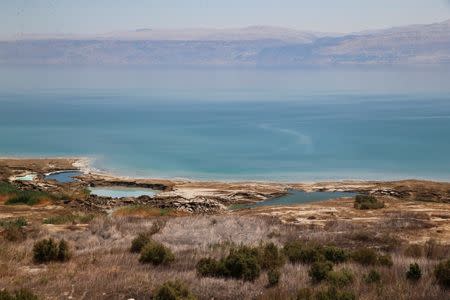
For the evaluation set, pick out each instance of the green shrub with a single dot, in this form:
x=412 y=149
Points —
x=305 y=294
x=335 y=254
x=297 y=252
x=208 y=267
x=27 y=197
x=332 y=293
x=273 y=277
x=48 y=250
x=365 y=256
x=156 y=254
x=19 y=222
x=173 y=290
x=442 y=273
x=414 y=273
x=270 y=257
x=22 y=294
x=139 y=242
x=372 y=277
x=319 y=271
x=7 y=188
x=242 y=263
x=340 y=278
x=367 y=202
x=385 y=260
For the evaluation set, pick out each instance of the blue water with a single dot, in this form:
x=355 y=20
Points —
x=64 y=177
x=282 y=125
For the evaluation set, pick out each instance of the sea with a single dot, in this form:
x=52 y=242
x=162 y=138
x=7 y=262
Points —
x=233 y=124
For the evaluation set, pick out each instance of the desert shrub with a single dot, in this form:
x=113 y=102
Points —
x=48 y=250
x=372 y=277
x=319 y=271
x=22 y=294
x=242 y=263
x=414 y=250
x=385 y=260
x=442 y=273
x=19 y=222
x=139 y=242
x=13 y=230
x=305 y=294
x=173 y=290
x=335 y=254
x=270 y=257
x=273 y=277
x=297 y=252
x=156 y=254
x=414 y=272
x=365 y=256
x=208 y=267
x=340 y=278
x=367 y=202
x=332 y=293
x=27 y=197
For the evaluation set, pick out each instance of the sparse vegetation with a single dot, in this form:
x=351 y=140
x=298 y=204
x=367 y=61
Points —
x=156 y=254
x=372 y=277
x=48 y=250
x=273 y=277
x=69 y=218
x=367 y=202
x=13 y=230
x=173 y=290
x=22 y=294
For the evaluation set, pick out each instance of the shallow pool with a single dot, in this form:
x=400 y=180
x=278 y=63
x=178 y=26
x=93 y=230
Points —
x=64 y=177
x=119 y=192
x=28 y=177
x=300 y=197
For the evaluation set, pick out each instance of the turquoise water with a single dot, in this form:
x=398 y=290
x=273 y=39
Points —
x=300 y=197
x=120 y=192
x=64 y=177
x=284 y=125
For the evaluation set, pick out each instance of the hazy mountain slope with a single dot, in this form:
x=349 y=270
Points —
x=266 y=46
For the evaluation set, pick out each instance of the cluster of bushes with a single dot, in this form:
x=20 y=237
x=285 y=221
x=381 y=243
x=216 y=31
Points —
x=369 y=257
x=299 y=252
x=326 y=293
x=173 y=290
x=367 y=202
x=151 y=251
x=14 y=230
x=48 y=250
x=22 y=294
x=17 y=196
x=245 y=263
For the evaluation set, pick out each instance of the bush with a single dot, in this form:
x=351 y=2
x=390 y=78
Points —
x=297 y=252
x=385 y=260
x=14 y=229
x=208 y=267
x=365 y=256
x=367 y=202
x=22 y=294
x=442 y=273
x=48 y=250
x=139 y=242
x=414 y=273
x=340 y=278
x=242 y=263
x=270 y=257
x=27 y=197
x=156 y=254
x=332 y=293
x=273 y=277
x=173 y=290
x=372 y=277
x=335 y=254
x=319 y=271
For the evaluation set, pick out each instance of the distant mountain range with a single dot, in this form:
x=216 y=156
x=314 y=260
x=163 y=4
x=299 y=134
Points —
x=250 y=46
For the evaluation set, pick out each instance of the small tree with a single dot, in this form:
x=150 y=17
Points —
x=414 y=273
x=173 y=290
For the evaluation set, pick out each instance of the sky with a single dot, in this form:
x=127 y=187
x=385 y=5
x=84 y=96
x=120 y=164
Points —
x=100 y=16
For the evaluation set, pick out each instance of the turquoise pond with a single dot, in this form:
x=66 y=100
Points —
x=63 y=177
x=120 y=192
x=300 y=197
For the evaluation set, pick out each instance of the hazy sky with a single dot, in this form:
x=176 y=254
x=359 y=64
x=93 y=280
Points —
x=98 y=16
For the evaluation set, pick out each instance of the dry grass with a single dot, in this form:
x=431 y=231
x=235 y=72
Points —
x=103 y=268
x=142 y=211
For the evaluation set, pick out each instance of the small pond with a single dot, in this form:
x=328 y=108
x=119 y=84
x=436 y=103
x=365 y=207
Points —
x=119 y=192
x=28 y=177
x=64 y=177
x=300 y=197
